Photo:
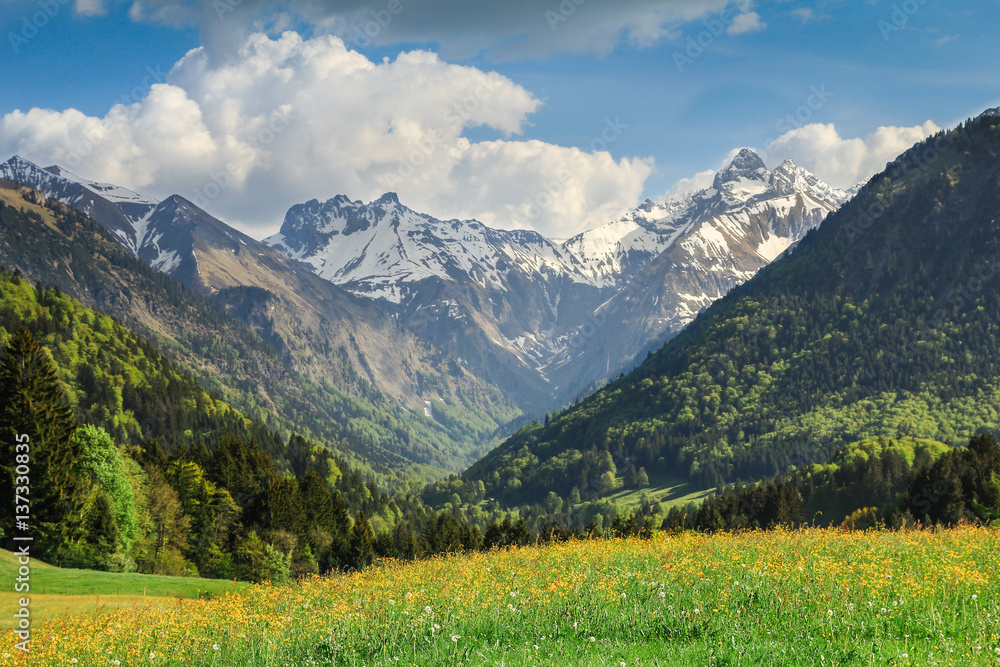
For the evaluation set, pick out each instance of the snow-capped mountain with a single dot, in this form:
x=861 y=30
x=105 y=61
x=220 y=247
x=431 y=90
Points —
x=382 y=249
x=158 y=232
x=485 y=296
x=518 y=304
x=674 y=258
x=744 y=188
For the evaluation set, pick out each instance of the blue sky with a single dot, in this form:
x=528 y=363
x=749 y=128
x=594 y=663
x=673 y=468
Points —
x=874 y=64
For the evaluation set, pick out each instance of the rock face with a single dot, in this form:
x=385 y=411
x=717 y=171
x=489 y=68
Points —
x=531 y=314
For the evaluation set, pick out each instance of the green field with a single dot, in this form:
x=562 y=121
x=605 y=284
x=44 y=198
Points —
x=806 y=597
x=57 y=591
x=668 y=490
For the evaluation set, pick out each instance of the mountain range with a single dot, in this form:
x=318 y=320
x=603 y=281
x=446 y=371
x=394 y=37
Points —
x=512 y=311
x=882 y=322
x=527 y=312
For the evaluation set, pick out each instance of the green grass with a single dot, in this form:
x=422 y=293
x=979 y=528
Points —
x=809 y=597
x=57 y=591
x=669 y=490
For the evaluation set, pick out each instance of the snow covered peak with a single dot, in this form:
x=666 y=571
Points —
x=113 y=193
x=745 y=165
x=382 y=248
x=789 y=177
x=991 y=113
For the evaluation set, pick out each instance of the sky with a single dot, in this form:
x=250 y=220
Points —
x=553 y=115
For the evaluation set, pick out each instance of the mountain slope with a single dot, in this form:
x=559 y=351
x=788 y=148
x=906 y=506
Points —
x=327 y=335
x=884 y=321
x=519 y=309
x=675 y=258
x=54 y=245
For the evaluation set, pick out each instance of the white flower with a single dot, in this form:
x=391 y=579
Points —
x=455 y=638
x=662 y=594
x=152 y=656
x=829 y=612
x=592 y=640
x=905 y=655
x=215 y=647
x=392 y=603
x=975 y=597
x=624 y=596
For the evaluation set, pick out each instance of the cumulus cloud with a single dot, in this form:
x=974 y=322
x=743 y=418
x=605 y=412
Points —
x=700 y=181
x=512 y=28
x=845 y=162
x=744 y=23
x=291 y=119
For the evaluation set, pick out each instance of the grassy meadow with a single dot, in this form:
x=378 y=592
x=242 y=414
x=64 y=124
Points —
x=808 y=597
x=64 y=591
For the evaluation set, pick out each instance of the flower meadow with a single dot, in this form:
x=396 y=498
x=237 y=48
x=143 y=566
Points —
x=805 y=597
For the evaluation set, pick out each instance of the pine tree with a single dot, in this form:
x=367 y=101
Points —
x=362 y=542
x=32 y=403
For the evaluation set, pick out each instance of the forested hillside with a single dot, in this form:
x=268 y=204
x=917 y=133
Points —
x=883 y=322
x=135 y=467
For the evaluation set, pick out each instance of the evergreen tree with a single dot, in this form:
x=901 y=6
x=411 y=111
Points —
x=33 y=404
x=362 y=544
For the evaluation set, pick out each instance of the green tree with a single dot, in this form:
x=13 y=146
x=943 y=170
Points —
x=32 y=403
x=103 y=465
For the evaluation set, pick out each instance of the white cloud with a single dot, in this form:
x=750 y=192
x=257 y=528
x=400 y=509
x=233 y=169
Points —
x=744 y=23
x=845 y=162
x=700 y=181
x=291 y=119
x=90 y=7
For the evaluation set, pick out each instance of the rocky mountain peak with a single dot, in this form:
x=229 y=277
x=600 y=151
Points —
x=746 y=165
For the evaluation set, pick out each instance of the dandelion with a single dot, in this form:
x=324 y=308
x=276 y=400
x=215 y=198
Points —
x=215 y=647
x=455 y=638
x=593 y=639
